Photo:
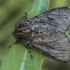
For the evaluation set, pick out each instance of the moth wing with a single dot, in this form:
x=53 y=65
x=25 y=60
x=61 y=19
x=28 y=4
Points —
x=55 y=50
x=51 y=37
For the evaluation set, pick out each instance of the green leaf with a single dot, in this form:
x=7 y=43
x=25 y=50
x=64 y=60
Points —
x=38 y=7
x=69 y=32
x=18 y=58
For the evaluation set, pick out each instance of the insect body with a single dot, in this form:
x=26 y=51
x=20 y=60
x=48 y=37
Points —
x=47 y=33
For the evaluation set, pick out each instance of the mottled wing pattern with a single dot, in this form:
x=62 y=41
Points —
x=50 y=34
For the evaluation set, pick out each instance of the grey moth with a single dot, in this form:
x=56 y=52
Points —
x=47 y=33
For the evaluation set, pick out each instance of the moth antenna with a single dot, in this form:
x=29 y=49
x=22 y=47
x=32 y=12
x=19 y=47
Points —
x=25 y=17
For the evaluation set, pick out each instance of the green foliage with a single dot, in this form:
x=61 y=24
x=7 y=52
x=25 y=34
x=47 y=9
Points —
x=38 y=7
x=10 y=13
x=18 y=58
x=69 y=32
x=8 y=18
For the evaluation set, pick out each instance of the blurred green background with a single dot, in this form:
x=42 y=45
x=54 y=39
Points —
x=11 y=12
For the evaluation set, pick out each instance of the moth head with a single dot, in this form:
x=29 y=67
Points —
x=21 y=31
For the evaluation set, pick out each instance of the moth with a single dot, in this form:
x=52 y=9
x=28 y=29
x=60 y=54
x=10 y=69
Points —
x=47 y=33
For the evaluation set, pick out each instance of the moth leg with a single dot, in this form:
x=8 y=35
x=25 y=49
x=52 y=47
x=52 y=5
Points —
x=9 y=45
x=30 y=53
